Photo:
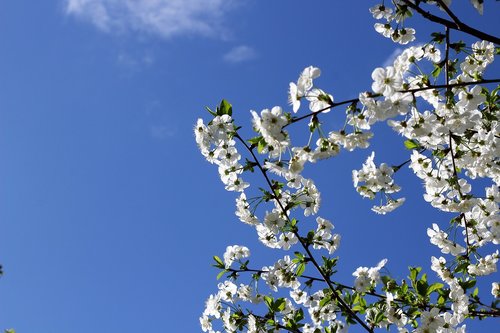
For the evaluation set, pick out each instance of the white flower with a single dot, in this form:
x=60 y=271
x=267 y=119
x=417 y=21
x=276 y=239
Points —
x=366 y=277
x=484 y=266
x=243 y=211
x=234 y=253
x=377 y=179
x=439 y=266
x=305 y=81
x=319 y=100
x=294 y=97
x=252 y=324
x=270 y=125
x=351 y=141
x=205 y=323
x=389 y=207
x=495 y=289
x=213 y=306
x=386 y=81
x=227 y=291
x=325 y=148
x=384 y=29
x=220 y=127
x=432 y=53
x=439 y=238
x=403 y=36
x=267 y=236
x=430 y=321
x=287 y=239
x=380 y=11
x=229 y=322
x=304 y=84
x=298 y=295
x=274 y=221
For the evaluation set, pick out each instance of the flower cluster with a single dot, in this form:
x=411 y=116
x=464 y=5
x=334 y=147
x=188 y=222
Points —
x=318 y=99
x=234 y=253
x=451 y=130
x=216 y=144
x=367 y=278
x=377 y=180
x=401 y=35
x=270 y=124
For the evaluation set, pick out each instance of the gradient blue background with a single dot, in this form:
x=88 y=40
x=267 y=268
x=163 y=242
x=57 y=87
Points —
x=109 y=216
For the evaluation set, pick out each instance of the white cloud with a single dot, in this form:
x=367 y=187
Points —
x=166 y=18
x=390 y=59
x=240 y=53
x=161 y=132
x=134 y=63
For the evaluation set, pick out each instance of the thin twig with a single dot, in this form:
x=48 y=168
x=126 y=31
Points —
x=457 y=186
x=339 y=299
x=264 y=319
x=355 y=100
x=494 y=312
x=450 y=13
x=446 y=61
x=452 y=25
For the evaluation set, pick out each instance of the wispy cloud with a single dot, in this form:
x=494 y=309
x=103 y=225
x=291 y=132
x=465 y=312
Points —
x=390 y=59
x=162 y=132
x=161 y=125
x=240 y=53
x=134 y=63
x=166 y=18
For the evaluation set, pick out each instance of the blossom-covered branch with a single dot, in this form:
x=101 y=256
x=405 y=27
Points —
x=452 y=139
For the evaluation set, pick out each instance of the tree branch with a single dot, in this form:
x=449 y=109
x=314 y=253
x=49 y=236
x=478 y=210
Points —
x=355 y=100
x=450 y=13
x=339 y=299
x=453 y=25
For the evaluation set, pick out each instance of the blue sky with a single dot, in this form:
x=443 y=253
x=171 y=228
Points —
x=109 y=216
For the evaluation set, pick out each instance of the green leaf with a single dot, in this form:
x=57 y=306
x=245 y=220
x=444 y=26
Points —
x=219 y=262
x=255 y=140
x=271 y=322
x=299 y=315
x=437 y=70
x=357 y=308
x=210 y=111
x=422 y=288
x=379 y=317
x=433 y=287
x=221 y=273
x=324 y=301
x=411 y=144
x=261 y=145
x=438 y=37
x=225 y=108
x=279 y=304
x=462 y=266
x=300 y=269
x=468 y=284
x=299 y=256
x=269 y=302
x=414 y=273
